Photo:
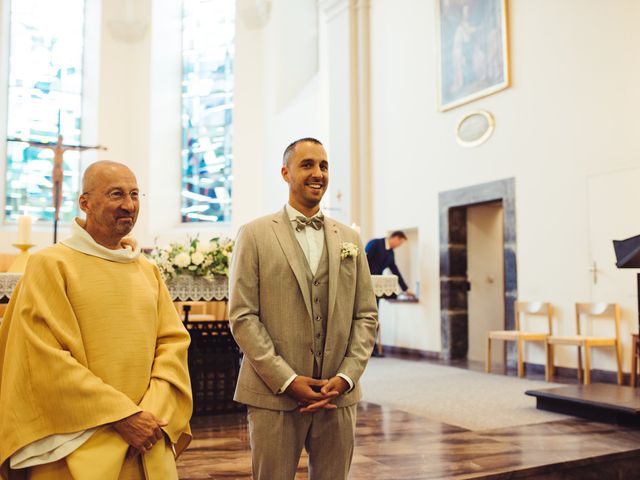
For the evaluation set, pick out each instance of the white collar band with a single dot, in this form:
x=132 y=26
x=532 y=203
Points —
x=81 y=241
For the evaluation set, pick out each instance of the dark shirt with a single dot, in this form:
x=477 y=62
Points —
x=380 y=258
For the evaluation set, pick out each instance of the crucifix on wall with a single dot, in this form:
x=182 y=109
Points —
x=58 y=153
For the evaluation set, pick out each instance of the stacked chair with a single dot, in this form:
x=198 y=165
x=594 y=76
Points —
x=589 y=313
x=523 y=310
x=588 y=316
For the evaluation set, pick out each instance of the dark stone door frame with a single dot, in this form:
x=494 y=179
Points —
x=453 y=260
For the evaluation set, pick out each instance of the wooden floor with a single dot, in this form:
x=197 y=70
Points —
x=394 y=445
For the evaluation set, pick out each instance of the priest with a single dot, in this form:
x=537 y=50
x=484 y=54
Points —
x=93 y=356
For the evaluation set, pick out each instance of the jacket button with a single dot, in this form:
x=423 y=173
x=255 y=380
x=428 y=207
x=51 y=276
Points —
x=316 y=283
x=317 y=300
x=318 y=318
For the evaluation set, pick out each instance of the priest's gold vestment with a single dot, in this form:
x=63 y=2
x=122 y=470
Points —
x=86 y=341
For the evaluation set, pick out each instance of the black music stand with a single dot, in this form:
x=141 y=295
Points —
x=628 y=256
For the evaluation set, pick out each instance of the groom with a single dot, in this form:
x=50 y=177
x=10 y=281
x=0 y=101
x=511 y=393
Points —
x=302 y=310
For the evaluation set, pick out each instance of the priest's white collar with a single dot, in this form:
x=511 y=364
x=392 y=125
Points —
x=81 y=241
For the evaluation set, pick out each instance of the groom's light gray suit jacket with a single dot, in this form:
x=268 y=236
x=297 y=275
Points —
x=270 y=311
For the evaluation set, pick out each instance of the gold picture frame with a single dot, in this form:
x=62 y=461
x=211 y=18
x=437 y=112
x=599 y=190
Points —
x=473 y=50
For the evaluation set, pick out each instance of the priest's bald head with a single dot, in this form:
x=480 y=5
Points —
x=111 y=200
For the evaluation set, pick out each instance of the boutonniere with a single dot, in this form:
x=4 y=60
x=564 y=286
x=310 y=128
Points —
x=348 y=250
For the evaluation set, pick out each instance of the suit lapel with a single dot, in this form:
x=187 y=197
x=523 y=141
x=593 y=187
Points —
x=332 y=238
x=285 y=237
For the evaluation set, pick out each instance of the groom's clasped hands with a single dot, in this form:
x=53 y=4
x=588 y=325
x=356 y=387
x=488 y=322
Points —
x=314 y=394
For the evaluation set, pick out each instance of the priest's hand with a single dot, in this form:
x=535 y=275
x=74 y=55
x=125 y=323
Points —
x=333 y=388
x=307 y=390
x=140 y=430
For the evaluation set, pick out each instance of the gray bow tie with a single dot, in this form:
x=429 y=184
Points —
x=303 y=222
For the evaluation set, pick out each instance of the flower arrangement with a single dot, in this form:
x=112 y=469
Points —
x=348 y=250
x=196 y=258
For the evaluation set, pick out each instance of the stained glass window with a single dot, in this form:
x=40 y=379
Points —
x=208 y=32
x=45 y=100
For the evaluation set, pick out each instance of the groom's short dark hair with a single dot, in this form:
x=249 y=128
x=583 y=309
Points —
x=289 y=150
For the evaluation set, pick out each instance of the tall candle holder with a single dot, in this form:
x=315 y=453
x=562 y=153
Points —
x=20 y=263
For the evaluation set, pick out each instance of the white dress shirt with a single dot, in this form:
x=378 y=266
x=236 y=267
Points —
x=311 y=240
x=312 y=243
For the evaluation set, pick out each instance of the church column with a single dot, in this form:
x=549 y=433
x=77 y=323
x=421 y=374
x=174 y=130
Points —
x=365 y=175
x=336 y=42
x=123 y=93
x=345 y=32
x=354 y=90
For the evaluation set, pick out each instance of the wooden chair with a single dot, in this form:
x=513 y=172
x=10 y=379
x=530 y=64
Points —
x=593 y=312
x=203 y=311
x=519 y=335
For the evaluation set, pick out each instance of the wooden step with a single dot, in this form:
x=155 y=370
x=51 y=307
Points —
x=599 y=401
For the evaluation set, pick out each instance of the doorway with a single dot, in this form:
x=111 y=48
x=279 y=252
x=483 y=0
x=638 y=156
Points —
x=455 y=205
x=485 y=274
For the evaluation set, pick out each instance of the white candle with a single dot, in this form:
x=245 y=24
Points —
x=355 y=227
x=24 y=230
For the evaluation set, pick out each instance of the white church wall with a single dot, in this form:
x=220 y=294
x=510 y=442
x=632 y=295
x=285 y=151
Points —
x=571 y=112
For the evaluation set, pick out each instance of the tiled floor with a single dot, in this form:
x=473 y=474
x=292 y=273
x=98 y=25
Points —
x=393 y=445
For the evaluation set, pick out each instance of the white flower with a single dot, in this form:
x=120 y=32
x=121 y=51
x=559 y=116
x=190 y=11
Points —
x=348 y=250
x=202 y=259
x=182 y=260
x=203 y=247
x=197 y=258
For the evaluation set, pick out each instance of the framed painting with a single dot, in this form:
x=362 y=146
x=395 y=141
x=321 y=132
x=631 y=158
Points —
x=473 y=50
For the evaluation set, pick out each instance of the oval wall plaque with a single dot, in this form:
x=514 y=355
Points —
x=475 y=128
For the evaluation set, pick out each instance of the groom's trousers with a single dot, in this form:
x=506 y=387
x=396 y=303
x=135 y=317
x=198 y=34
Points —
x=277 y=439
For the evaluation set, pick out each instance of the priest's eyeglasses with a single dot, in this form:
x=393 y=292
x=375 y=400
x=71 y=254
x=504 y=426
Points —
x=120 y=195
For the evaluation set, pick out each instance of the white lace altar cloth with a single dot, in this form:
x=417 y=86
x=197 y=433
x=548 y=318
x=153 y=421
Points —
x=8 y=283
x=385 y=285
x=184 y=288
